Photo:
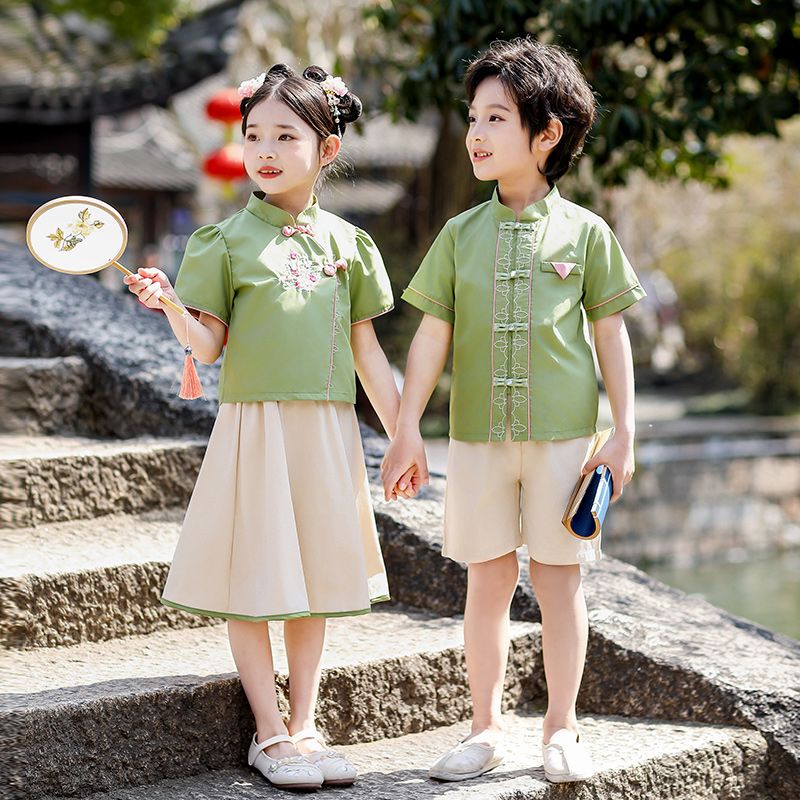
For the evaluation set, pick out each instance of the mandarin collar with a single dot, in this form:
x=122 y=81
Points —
x=277 y=216
x=535 y=211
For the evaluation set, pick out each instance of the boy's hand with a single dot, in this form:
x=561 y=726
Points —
x=404 y=470
x=150 y=284
x=617 y=455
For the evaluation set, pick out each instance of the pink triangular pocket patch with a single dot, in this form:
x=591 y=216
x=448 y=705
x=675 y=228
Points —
x=562 y=268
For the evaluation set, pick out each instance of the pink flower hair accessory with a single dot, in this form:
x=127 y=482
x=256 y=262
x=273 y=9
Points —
x=248 y=88
x=334 y=88
x=335 y=85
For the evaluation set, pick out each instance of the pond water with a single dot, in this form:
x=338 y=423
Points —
x=765 y=590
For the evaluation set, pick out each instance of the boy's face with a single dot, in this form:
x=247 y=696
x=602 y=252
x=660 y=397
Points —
x=499 y=147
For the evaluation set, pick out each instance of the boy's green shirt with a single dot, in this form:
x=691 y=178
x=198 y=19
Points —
x=515 y=291
x=288 y=320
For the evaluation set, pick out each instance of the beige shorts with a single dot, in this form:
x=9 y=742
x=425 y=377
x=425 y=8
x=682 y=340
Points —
x=501 y=495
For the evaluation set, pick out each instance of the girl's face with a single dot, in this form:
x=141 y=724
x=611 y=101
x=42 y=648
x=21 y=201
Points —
x=282 y=153
x=499 y=147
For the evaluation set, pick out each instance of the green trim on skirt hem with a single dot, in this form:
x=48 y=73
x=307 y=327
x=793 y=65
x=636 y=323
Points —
x=224 y=615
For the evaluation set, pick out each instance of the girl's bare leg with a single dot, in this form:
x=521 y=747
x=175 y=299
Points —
x=305 y=640
x=252 y=653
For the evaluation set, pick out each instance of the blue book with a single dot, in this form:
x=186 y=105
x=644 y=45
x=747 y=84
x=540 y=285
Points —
x=587 y=507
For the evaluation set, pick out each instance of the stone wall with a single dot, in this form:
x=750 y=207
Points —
x=716 y=499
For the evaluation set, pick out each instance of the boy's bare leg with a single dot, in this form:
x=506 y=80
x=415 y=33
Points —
x=252 y=653
x=490 y=589
x=565 y=633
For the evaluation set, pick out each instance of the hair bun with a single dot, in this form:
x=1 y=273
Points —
x=315 y=73
x=281 y=71
x=349 y=107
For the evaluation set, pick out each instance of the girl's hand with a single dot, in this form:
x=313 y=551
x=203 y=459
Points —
x=404 y=470
x=411 y=482
x=150 y=284
x=617 y=455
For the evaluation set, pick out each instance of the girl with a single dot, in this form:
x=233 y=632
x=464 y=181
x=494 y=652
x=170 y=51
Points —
x=509 y=282
x=280 y=524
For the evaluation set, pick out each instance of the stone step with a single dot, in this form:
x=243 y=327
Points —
x=634 y=759
x=57 y=478
x=166 y=705
x=64 y=583
x=41 y=395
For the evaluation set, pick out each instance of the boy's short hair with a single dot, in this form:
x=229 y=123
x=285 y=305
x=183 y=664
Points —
x=545 y=81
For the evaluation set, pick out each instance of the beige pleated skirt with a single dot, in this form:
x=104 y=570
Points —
x=280 y=523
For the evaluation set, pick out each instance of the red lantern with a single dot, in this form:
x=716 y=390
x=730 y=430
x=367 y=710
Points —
x=225 y=163
x=224 y=106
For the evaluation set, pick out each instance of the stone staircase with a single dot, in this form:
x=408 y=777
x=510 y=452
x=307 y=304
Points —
x=106 y=693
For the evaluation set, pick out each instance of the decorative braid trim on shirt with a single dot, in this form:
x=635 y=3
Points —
x=619 y=294
x=435 y=302
x=334 y=346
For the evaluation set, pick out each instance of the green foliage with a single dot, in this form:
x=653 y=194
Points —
x=141 y=24
x=673 y=76
x=765 y=347
x=735 y=265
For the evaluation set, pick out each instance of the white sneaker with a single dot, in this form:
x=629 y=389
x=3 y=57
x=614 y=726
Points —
x=292 y=772
x=566 y=758
x=468 y=759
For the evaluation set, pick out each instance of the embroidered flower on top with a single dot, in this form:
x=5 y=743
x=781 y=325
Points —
x=302 y=274
x=299 y=273
x=248 y=88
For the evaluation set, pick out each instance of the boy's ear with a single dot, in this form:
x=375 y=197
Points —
x=329 y=149
x=551 y=135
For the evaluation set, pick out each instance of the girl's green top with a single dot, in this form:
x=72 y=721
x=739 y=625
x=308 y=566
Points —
x=515 y=291
x=288 y=290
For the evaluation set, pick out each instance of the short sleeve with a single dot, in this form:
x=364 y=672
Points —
x=432 y=289
x=204 y=280
x=370 y=289
x=610 y=284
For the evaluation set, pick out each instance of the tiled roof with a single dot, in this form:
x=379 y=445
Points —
x=150 y=154
x=384 y=143
x=360 y=196
x=57 y=70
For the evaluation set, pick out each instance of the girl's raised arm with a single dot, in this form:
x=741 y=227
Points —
x=206 y=335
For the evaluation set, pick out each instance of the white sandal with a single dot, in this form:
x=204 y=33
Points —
x=566 y=758
x=291 y=772
x=335 y=768
x=468 y=759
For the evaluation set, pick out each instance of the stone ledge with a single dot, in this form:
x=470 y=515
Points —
x=635 y=759
x=653 y=651
x=47 y=480
x=137 y=710
x=133 y=361
x=41 y=395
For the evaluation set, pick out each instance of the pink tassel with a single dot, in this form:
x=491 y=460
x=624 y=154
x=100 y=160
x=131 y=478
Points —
x=191 y=388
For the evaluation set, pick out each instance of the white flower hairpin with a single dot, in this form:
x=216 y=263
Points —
x=248 y=88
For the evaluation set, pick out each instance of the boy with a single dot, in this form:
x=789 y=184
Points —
x=509 y=282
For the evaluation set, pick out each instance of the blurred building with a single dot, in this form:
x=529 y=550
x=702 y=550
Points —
x=77 y=117
x=62 y=77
